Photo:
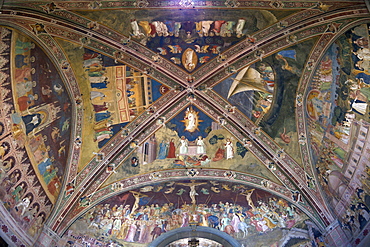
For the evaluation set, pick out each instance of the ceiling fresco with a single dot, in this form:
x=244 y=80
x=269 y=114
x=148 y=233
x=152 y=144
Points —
x=122 y=121
x=191 y=140
x=263 y=92
x=37 y=122
x=186 y=37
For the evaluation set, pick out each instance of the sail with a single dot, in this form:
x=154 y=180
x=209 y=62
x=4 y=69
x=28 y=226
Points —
x=248 y=79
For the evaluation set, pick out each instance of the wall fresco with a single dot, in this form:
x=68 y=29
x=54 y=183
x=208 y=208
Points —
x=251 y=216
x=40 y=98
x=26 y=192
x=338 y=122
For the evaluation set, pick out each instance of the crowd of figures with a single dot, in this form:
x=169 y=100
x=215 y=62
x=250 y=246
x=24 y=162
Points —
x=39 y=98
x=17 y=195
x=102 y=103
x=189 y=43
x=20 y=193
x=93 y=65
x=143 y=223
x=338 y=101
x=202 y=28
x=27 y=98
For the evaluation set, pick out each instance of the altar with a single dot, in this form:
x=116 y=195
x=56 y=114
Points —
x=192 y=150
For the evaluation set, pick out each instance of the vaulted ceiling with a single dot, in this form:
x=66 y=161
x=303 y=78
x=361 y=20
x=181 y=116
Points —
x=260 y=104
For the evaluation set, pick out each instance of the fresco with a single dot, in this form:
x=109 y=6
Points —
x=32 y=158
x=338 y=112
x=189 y=38
x=37 y=120
x=251 y=90
x=38 y=124
x=262 y=92
x=112 y=95
x=191 y=139
x=252 y=216
x=117 y=94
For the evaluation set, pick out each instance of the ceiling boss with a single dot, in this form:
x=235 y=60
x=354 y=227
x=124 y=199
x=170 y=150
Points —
x=191 y=120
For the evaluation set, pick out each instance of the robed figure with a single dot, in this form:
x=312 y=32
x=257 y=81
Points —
x=171 y=149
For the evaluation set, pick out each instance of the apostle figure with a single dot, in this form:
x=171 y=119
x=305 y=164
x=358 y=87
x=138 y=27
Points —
x=171 y=149
x=162 y=154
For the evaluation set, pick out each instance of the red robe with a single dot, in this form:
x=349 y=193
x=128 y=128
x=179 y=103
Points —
x=219 y=155
x=171 y=150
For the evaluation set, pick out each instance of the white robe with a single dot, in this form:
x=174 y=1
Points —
x=183 y=146
x=229 y=150
x=201 y=148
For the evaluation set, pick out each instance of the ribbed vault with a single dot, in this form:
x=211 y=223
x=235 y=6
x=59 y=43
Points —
x=172 y=115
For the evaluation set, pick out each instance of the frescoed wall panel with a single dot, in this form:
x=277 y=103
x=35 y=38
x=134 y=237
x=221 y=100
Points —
x=38 y=124
x=252 y=216
x=337 y=106
x=27 y=188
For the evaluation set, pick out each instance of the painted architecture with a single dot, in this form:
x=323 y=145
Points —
x=133 y=123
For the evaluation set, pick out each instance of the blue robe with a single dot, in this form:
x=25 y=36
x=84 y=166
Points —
x=31 y=122
x=162 y=154
x=19 y=61
x=101 y=116
x=288 y=53
x=99 y=85
x=364 y=76
x=42 y=166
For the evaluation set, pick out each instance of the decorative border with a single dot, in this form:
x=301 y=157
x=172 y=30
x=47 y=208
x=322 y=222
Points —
x=267 y=4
